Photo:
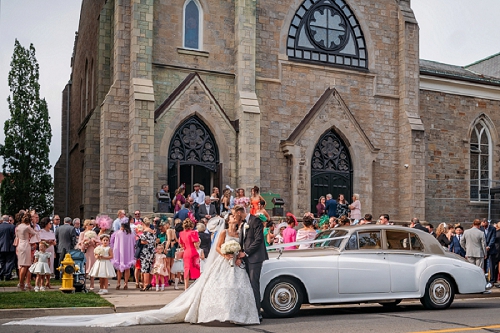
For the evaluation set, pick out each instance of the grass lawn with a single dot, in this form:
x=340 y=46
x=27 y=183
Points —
x=56 y=299
x=14 y=282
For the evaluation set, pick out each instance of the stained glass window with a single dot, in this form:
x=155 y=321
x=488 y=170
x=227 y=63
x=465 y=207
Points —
x=480 y=160
x=193 y=143
x=192 y=25
x=326 y=31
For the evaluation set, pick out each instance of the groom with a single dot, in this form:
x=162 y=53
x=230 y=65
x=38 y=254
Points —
x=253 y=249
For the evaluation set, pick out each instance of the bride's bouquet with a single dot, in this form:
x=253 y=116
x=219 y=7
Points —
x=231 y=247
x=99 y=250
x=88 y=236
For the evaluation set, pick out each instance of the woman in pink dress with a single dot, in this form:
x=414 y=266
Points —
x=24 y=232
x=241 y=199
x=191 y=257
x=49 y=237
x=123 y=243
x=290 y=234
x=87 y=242
x=306 y=233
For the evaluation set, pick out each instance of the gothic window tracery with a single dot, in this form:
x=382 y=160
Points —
x=330 y=154
x=326 y=31
x=193 y=143
x=480 y=162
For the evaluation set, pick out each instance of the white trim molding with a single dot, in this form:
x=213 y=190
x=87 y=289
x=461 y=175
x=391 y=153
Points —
x=457 y=87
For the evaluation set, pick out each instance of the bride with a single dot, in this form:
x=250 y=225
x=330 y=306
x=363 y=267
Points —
x=222 y=293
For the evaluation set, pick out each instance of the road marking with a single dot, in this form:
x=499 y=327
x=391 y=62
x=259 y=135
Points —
x=459 y=329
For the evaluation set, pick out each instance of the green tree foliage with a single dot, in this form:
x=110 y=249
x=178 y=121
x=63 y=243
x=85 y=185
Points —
x=27 y=183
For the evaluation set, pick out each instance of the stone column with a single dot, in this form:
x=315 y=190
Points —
x=141 y=108
x=411 y=169
x=114 y=134
x=247 y=105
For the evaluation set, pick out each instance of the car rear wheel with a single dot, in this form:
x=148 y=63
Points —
x=282 y=298
x=439 y=293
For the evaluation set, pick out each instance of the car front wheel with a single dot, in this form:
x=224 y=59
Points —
x=282 y=298
x=439 y=293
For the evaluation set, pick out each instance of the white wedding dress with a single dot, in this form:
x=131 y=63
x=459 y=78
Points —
x=222 y=293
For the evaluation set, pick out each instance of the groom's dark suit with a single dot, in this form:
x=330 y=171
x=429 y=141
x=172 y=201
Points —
x=252 y=243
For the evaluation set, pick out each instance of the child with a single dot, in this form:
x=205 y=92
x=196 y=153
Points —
x=103 y=268
x=41 y=266
x=202 y=255
x=160 y=267
x=178 y=267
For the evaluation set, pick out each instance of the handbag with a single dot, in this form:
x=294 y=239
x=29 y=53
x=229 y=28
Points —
x=138 y=249
x=179 y=253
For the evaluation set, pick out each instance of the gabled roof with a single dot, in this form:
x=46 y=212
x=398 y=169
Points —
x=180 y=90
x=461 y=73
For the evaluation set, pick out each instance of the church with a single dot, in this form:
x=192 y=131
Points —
x=299 y=97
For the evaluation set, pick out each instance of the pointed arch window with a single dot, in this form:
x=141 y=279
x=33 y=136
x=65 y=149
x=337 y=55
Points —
x=192 y=27
x=480 y=162
x=193 y=143
x=327 y=32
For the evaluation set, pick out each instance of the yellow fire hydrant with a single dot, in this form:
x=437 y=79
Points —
x=67 y=269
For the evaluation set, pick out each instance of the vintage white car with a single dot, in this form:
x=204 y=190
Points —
x=365 y=264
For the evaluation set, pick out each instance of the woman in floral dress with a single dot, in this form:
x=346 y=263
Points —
x=87 y=242
x=147 y=253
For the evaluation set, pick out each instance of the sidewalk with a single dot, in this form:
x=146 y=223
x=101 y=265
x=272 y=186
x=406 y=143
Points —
x=132 y=300
x=123 y=301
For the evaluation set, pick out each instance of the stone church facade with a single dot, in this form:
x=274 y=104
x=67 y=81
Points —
x=299 y=97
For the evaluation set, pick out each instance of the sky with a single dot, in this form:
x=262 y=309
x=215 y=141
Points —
x=457 y=32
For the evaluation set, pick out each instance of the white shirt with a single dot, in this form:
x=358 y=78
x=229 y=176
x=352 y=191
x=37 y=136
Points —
x=200 y=198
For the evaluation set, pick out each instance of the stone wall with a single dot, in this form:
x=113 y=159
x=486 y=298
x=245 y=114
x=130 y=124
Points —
x=448 y=120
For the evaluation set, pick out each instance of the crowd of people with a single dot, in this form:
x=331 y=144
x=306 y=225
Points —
x=159 y=253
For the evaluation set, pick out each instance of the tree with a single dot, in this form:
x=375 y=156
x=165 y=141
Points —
x=27 y=183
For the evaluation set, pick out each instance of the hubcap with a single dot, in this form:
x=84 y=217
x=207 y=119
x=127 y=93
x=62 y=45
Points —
x=440 y=291
x=283 y=297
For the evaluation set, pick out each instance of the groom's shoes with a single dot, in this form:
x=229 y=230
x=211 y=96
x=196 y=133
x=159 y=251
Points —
x=260 y=318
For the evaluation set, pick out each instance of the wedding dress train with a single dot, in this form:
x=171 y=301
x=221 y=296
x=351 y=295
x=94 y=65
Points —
x=222 y=293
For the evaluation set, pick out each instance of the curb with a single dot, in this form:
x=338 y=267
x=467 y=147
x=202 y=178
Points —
x=42 y=312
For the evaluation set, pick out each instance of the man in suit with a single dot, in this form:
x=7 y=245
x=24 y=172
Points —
x=7 y=249
x=76 y=225
x=474 y=244
x=331 y=206
x=253 y=249
x=57 y=221
x=65 y=238
x=490 y=237
x=415 y=223
x=455 y=241
x=207 y=210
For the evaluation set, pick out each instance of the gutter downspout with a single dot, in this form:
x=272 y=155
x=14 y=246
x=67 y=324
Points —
x=67 y=147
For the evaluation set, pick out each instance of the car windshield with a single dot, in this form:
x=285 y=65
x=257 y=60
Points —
x=330 y=234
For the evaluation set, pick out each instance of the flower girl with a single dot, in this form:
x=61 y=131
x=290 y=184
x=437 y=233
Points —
x=103 y=268
x=41 y=266
x=160 y=267
x=178 y=266
x=202 y=255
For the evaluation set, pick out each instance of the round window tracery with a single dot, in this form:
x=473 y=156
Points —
x=327 y=28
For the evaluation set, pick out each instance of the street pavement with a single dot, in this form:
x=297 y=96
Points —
x=467 y=313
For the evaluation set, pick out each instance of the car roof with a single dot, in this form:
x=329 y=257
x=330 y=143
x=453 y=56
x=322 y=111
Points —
x=430 y=243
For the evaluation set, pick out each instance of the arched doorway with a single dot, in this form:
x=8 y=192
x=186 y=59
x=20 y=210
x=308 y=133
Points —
x=331 y=169
x=193 y=156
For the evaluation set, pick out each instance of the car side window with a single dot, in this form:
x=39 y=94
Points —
x=352 y=243
x=402 y=240
x=369 y=240
x=416 y=244
x=398 y=240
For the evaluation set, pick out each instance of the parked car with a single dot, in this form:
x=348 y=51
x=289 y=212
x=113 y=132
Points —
x=366 y=264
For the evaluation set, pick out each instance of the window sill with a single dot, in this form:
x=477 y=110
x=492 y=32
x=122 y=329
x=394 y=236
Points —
x=478 y=203
x=195 y=53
